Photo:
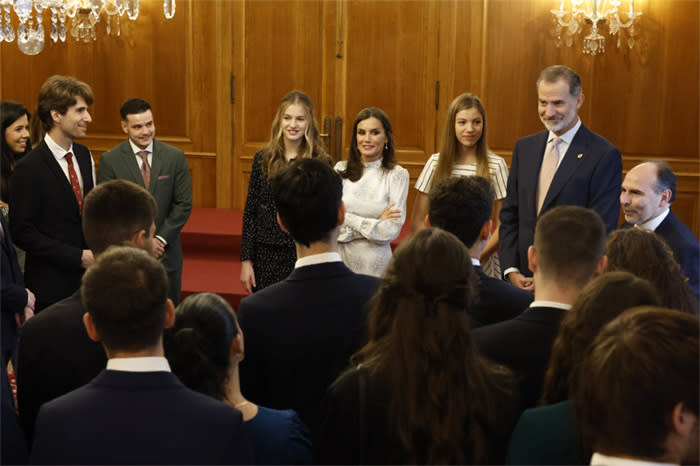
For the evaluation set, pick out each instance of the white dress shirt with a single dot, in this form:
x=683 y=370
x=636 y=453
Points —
x=653 y=224
x=321 y=258
x=60 y=154
x=604 y=460
x=136 y=149
x=144 y=364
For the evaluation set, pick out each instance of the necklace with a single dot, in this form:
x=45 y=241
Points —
x=241 y=404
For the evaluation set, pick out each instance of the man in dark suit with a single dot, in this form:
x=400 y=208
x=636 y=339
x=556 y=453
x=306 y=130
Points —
x=647 y=193
x=136 y=411
x=55 y=353
x=462 y=206
x=47 y=190
x=17 y=301
x=569 y=250
x=565 y=165
x=301 y=332
x=163 y=171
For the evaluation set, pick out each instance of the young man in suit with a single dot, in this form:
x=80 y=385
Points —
x=163 y=171
x=462 y=206
x=136 y=411
x=47 y=190
x=647 y=193
x=301 y=332
x=637 y=393
x=569 y=250
x=565 y=165
x=55 y=354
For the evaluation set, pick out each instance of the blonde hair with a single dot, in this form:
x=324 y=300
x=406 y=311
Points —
x=273 y=158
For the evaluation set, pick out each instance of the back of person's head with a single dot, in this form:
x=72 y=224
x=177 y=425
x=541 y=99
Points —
x=57 y=93
x=569 y=242
x=603 y=299
x=647 y=255
x=639 y=368
x=133 y=107
x=308 y=194
x=198 y=345
x=126 y=293
x=114 y=212
x=461 y=205
x=418 y=317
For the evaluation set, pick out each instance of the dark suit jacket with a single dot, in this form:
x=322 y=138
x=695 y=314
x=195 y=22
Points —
x=685 y=246
x=523 y=344
x=498 y=300
x=55 y=356
x=170 y=185
x=46 y=223
x=589 y=175
x=299 y=335
x=139 y=418
x=13 y=293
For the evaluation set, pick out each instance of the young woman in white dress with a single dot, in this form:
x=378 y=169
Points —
x=375 y=188
x=464 y=152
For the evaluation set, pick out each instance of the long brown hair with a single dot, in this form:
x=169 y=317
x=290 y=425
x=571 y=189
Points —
x=603 y=299
x=273 y=158
x=441 y=392
x=355 y=168
x=648 y=256
x=449 y=144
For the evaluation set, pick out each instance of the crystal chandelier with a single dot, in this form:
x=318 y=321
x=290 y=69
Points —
x=83 y=16
x=571 y=21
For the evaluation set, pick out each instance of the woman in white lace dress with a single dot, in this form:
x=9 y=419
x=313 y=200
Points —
x=375 y=188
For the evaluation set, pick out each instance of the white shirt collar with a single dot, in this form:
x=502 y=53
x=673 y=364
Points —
x=476 y=262
x=568 y=136
x=321 y=258
x=554 y=304
x=57 y=151
x=654 y=223
x=136 y=149
x=605 y=460
x=144 y=364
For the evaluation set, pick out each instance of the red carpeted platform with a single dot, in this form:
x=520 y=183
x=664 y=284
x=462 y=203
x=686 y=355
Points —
x=211 y=244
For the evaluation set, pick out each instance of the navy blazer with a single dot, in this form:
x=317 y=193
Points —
x=300 y=334
x=46 y=222
x=589 y=175
x=498 y=300
x=55 y=356
x=685 y=246
x=524 y=345
x=13 y=293
x=139 y=418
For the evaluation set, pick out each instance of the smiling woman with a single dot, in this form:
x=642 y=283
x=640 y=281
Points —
x=374 y=193
x=15 y=143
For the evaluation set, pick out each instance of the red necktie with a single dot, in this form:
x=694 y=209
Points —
x=74 y=183
x=145 y=168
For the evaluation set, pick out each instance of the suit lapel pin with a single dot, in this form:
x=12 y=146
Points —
x=579 y=156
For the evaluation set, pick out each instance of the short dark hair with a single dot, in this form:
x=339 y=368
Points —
x=198 y=346
x=125 y=292
x=638 y=368
x=665 y=178
x=133 y=107
x=114 y=211
x=58 y=93
x=461 y=205
x=569 y=242
x=308 y=194
x=554 y=73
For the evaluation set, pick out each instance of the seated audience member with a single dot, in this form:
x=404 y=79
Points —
x=568 y=252
x=136 y=411
x=647 y=193
x=418 y=392
x=647 y=255
x=637 y=390
x=204 y=348
x=462 y=206
x=302 y=331
x=548 y=434
x=55 y=353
